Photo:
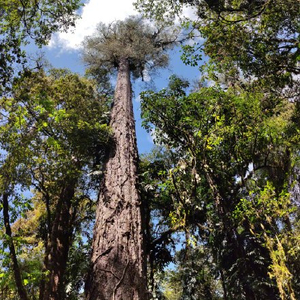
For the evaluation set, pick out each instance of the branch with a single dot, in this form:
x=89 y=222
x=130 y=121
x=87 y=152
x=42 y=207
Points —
x=165 y=234
x=244 y=19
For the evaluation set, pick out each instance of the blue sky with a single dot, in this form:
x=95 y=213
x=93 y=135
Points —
x=64 y=52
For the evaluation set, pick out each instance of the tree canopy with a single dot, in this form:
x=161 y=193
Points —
x=142 y=44
x=22 y=22
x=213 y=210
x=259 y=39
x=227 y=187
x=54 y=136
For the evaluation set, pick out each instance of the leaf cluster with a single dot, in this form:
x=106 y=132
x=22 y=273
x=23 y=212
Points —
x=223 y=146
x=22 y=22
x=256 y=40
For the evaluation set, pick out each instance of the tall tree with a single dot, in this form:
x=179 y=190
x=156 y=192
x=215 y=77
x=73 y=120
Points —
x=252 y=46
x=53 y=132
x=232 y=155
x=259 y=39
x=118 y=254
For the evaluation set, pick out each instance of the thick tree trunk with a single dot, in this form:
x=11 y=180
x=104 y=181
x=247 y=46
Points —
x=118 y=258
x=58 y=246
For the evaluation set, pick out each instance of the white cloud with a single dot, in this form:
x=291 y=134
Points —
x=94 y=12
x=190 y=12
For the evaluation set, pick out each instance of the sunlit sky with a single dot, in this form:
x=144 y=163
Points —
x=64 y=49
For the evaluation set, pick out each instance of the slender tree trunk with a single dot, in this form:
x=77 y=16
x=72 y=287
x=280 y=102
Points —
x=16 y=268
x=118 y=257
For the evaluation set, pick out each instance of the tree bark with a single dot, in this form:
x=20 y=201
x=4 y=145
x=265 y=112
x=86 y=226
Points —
x=16 y=268
x=118 y=257
x=58 y=247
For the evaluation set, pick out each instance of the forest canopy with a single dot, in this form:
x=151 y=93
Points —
x=212 y=212
x=24 y=22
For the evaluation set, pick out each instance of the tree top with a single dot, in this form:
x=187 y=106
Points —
x=143 y=44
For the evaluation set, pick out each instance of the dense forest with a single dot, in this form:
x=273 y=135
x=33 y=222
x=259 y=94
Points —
x=211 y=213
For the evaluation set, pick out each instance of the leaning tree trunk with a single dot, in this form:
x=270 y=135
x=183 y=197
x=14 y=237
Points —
x=118 y=258
x=15 y=265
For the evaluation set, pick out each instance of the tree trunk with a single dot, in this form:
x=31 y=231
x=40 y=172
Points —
x=118 y=258
x=16 y=268
x=58 y=247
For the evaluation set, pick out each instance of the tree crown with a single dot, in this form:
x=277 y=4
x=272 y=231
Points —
x=142 y=44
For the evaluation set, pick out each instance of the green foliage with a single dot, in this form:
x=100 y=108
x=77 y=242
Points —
x=258 y=38
x=24 y=21
x=264 y=209
x=53 y=135
x=221 y=147
x=133 y=39
x=193 y=277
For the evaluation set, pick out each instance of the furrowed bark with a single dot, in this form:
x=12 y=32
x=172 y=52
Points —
x=118 y=260
x=16 y=268
x=58 y=246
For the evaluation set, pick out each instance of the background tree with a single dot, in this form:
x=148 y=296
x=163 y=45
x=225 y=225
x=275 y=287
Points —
x=252 y=46
x=227 y=186
x=258 y=39
x=118 y=257
x=24 y=21
x=53 y=133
